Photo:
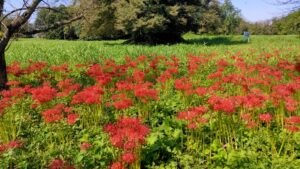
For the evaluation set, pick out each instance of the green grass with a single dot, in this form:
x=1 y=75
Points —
x=60 y=51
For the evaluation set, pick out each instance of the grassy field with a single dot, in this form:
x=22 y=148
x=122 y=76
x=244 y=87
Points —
x=220 y=103
x=60 y=51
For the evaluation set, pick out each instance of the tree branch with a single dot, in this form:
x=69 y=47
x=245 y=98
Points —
x=17 y=23
x=22 y=9
x=53 y=26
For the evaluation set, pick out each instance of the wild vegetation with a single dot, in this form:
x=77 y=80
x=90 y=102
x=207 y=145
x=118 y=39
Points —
x=181 y=106
x=206 y=102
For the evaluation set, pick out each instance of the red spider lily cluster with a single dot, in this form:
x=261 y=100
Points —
x=11 y=145
x=60 y=164
x=127 y=134
x=202 y=91
x=293 y=123
x=58 y=112
x=194 y=116
x=43 y=94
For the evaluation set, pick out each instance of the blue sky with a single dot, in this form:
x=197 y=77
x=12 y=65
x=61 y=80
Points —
x=252 y=10
x=259 y=10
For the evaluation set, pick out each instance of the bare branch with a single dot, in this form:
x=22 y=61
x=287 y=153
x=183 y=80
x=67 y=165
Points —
x=293 y=4
x=53 y=26
x=22 y=9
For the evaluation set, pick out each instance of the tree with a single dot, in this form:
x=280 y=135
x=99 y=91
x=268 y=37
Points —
x=211 y=21
x=99 y=22
x=20 y=17
x=46 y=17
x=289 y=24
x=158 y=21
x=230 y=17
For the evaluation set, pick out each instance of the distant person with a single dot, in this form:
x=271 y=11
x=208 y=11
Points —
x=246 y=36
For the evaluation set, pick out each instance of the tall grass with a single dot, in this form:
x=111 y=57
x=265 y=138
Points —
x=60 y=51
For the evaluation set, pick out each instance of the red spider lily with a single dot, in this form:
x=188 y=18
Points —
x=138 y=76
x=297 y=66
x=130 y=62
x=202 y=120
x=222 y=63
x=72 y=118
x=43 y=94
x=284 y=64
x=251 y=124
x=265 y=117
x=67 y=86
x=35 y=67
x=143 y=92
x=216 y=86
x=254 y=100
x=293 y=120
x=89 y=95
x=124 y=85
x=127 y=130
x=246 y=116
x=183 y=84
x=15 y=69
x=166 y=75
x=60 y=68
x=68 y=109
x=192 y=113
x=54 y=114
x=282 y=91
x=57 y=164
x=11 y=145
x=13 y=83
x=4 y=103
x=194 y=62
x=17 y=92
x=80 y=65
x=155 y=61
x=96 y=72
x=128 y=157
x=84 y=146
x=292 y=129
x=122 y=104
x=2 y=148
x=290 y=104
x=14 y=144
x=200 y=91
x=142 y=58
x=222 y=104
x=217 y=74
x=192 y=125
x=121 y=101
x=193 y=116
x=117 y=165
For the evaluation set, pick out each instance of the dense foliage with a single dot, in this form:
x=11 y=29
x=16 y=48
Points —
x=287 y=25
x=157 y=21
x=46 y=17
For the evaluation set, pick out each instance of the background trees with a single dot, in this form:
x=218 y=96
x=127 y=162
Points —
x=158 y=21
x=46 y=17
x=155 y=21
x=230 y=17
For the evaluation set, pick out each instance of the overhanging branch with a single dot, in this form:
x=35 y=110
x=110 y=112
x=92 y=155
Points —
x=53 y=26
x=22 y=9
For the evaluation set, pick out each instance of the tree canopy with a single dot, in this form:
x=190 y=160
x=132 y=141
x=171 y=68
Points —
x=149 y=21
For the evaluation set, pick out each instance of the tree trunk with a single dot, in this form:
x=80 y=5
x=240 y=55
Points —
x=3 y=73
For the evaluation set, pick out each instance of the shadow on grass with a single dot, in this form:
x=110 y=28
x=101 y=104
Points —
x=207 y=41
x=214 y=41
